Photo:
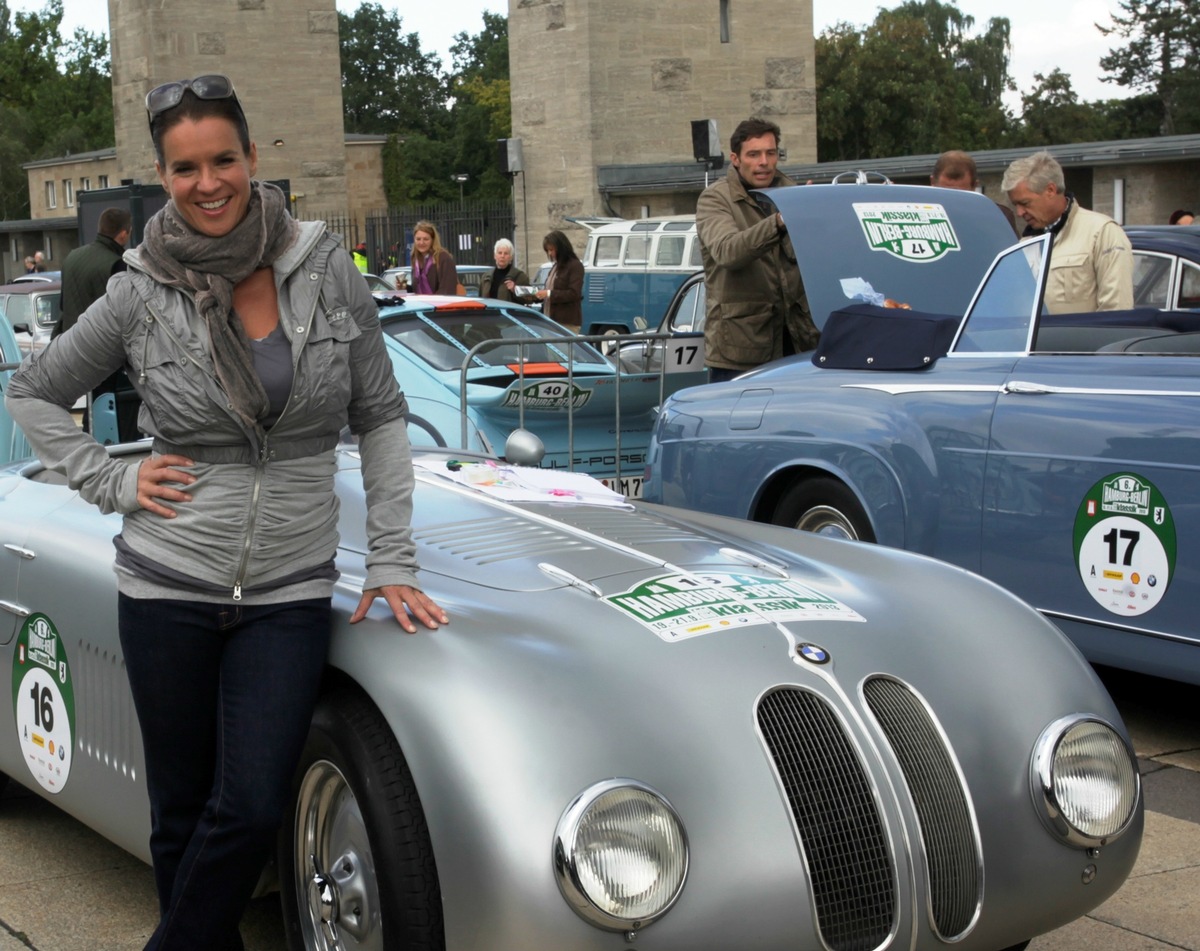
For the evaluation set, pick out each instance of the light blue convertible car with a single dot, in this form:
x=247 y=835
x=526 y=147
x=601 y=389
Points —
x=1054 y=454
x=474 y=370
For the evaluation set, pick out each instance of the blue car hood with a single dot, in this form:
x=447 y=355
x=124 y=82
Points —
x=910 y=245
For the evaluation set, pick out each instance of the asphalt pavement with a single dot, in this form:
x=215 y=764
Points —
x=63 y=888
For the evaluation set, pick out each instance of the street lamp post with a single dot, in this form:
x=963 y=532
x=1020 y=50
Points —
x=460 y=177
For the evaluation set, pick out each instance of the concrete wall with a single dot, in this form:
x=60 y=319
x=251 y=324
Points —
x=283 y=58
x=601 y=82
x=364 y=178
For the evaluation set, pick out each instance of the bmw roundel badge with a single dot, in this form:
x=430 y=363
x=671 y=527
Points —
x=813 y=653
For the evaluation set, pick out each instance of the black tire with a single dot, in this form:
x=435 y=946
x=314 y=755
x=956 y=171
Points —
x=355 y=808
x=824 y=506
x=608 y=347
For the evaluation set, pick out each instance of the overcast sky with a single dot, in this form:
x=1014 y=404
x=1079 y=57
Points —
x=1045 y=33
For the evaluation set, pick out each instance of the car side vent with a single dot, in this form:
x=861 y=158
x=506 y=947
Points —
x=505 y=538
x=841 y=832
x=947 y=825
x=106 y=725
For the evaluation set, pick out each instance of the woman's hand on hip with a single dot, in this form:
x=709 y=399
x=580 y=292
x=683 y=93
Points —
x=403 y=601
x=158 y=478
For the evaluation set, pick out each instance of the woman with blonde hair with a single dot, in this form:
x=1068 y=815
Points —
x=433 y=269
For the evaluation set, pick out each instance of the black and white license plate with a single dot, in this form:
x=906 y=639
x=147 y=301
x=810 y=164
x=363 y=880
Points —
x=628 y=486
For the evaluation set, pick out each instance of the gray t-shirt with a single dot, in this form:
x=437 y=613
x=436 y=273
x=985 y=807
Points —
x=273 y=363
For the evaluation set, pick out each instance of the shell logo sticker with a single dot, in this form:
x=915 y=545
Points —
x=44 y=703
x=910 y=231
x=1125 y=544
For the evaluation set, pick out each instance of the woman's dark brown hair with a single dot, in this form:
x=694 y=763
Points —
x=193 y=107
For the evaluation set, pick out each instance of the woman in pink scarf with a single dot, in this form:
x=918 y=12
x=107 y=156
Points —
x=433 y=270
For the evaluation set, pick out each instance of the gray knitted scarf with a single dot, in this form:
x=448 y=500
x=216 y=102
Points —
x=176 y=255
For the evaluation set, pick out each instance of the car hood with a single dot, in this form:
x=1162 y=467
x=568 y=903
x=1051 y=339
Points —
x=917 y=246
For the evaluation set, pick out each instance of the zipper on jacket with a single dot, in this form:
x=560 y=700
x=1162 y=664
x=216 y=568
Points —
x=248 y=543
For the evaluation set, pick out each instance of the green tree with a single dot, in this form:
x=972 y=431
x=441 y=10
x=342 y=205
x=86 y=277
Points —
x=29 y=47
x=481 y=113
x=1052 y=114
x=55 y=97
x=77 y=107
x=415 y=170
x=1137 y=117
x=915 y=80
x=1161 y=55
x=388 y=84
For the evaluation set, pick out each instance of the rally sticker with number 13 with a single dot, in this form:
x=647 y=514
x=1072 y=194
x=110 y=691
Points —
x=1125 y=544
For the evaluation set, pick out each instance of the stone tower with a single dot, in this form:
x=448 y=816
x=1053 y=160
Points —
x=612 y=82
x=282 y=56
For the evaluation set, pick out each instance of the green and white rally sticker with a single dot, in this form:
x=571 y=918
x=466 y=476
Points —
x=548 y=395
x=676 y=607
x=910 y=231
x=1125 y=544
x=44 y=703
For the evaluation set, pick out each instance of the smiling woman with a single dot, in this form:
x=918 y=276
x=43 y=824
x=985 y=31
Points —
x=252 y=341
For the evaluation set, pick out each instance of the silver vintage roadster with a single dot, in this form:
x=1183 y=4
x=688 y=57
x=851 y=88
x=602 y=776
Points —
x=643 y=728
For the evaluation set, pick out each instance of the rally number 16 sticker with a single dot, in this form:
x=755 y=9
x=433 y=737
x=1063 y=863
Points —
x=1125 y=544
x=44 y=702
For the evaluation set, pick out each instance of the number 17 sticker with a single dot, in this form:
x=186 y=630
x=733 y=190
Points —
x=1125 y=544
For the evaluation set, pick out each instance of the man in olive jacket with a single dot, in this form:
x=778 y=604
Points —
x=86 y=270
x=757 y=309
x=85 y=274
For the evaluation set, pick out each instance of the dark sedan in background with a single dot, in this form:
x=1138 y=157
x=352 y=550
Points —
x=1166 y=270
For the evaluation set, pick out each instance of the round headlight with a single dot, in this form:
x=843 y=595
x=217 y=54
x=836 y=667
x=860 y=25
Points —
x=620 y=854
x=1086 y=778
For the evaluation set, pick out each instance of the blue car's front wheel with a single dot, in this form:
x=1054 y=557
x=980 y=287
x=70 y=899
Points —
x=823 y=506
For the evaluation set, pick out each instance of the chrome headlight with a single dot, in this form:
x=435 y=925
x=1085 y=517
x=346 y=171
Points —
x=1086 y=780
x=620 y=854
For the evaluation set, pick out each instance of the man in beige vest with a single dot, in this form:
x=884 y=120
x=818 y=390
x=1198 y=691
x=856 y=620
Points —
x=1091 y=259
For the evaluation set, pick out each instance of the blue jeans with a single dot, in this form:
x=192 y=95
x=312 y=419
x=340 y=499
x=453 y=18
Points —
x=224 y=695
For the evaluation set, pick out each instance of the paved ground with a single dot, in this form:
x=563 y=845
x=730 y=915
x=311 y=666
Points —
x=62 y=888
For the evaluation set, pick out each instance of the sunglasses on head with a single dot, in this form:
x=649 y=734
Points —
x=169 y=95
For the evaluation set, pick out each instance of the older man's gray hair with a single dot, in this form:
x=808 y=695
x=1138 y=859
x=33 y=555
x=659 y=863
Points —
x=1036 y=171
x=503 y=245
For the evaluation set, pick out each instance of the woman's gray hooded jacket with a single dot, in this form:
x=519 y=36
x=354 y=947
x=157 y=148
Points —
x=262 y=511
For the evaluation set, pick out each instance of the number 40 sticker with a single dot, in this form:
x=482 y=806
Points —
x=1125 y=544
